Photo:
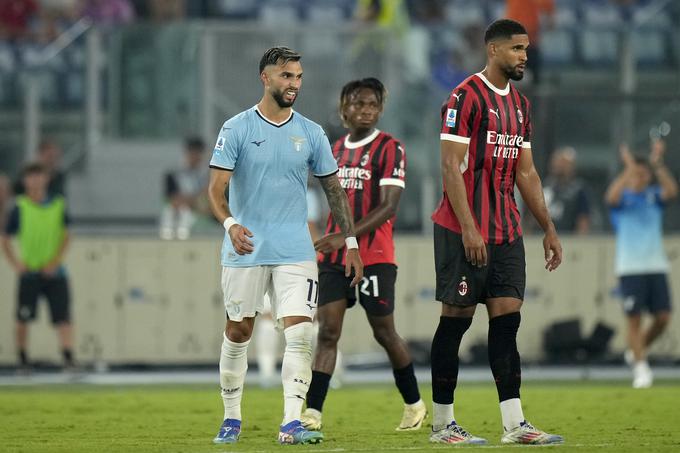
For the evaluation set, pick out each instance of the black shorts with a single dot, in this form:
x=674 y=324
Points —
x=376 y=290
x=461 y=283
x=645 y=292
x=56 y=291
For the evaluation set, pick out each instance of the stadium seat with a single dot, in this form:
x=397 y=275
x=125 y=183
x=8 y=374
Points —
x=645 y=17
x=7 y=59
x=566 y=15
x=557 y=46
x=461 y=12
x=649 y=46
x=327 y=12
x=601 y=14
x=599 y=47
x=237 y=9
x=279 y=12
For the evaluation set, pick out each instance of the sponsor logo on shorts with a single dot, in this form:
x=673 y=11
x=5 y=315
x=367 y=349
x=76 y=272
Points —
x=629 y=303
x=234 y=308
x=462 y=287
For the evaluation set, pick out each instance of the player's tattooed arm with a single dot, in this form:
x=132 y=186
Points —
x=339 y=204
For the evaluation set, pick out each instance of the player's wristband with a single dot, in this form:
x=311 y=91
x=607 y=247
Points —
x=228 y=223
x=351 y=242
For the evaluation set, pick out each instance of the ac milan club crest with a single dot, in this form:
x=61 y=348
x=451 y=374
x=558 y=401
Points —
x=462 y=287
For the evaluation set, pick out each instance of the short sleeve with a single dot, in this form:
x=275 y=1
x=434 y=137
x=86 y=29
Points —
x=457 y=116
x=393 y=165
x=228 y=146
x=527 y=126
x=12 y=225
x=322 y=163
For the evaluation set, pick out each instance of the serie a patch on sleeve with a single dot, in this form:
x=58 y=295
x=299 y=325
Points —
x=451 y=117
x=220 y=144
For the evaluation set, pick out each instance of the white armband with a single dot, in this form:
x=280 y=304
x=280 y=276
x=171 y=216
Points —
x=228 y=223
x=351 y=242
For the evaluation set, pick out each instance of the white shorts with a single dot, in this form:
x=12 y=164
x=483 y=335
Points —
x=292 y=289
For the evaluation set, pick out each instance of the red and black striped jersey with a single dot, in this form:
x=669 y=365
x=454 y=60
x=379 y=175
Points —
x=364 y=166
x=496 y=126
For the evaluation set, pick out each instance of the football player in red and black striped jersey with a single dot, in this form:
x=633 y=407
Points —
x=372 y=170
x=479 y=253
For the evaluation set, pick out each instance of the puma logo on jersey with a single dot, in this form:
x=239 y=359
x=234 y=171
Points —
x=495 y=112
x=457 y=96
x=256 y=143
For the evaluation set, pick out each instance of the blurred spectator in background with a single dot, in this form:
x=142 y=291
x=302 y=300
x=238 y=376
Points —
x=167 y=10
x=16 y=17
x=529 y=13
x=107 y=12
x=185 y=192
x=566 y=195
x=49 y=157
x=55 y=17
x=641 y=263
x=386 y=15
x=40 y=223
x=5 y=198
x=466 y=56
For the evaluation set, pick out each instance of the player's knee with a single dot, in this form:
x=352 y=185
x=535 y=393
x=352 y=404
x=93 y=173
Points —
x=329 y=334
x=385 y=336
x=239 y=333
x=662 y=319
x=299 y=338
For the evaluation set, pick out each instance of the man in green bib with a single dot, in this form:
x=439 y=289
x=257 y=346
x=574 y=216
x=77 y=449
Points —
x=39 y=222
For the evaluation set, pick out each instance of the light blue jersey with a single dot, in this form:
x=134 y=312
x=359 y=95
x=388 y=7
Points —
x=268 y=187
x=638 y=221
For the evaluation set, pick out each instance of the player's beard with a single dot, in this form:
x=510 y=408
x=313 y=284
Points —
x=513 y=73
x=278 y=97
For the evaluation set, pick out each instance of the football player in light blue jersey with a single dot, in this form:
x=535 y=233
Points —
x=641 y=263
x=263 y=155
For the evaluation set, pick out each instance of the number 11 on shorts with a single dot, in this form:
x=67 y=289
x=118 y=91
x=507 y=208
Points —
x=313 y=291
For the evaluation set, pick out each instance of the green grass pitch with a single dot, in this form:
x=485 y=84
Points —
x=602 y=417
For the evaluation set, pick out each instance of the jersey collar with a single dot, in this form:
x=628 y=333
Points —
x=502 y=92
x=362 y=142
x=261 y=115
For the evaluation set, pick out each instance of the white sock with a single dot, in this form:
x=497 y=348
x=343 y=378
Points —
x=511 y=413
x=296 y=369
x=417 y=403
x=442 y=416
x=233 y=367
x=267 y=347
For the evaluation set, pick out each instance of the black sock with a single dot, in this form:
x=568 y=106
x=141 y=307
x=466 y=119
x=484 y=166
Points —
x=503 y=355
x=23 y=357
x=444 y=357
x=318 y=389
x=405 y=378
x=67 y=354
